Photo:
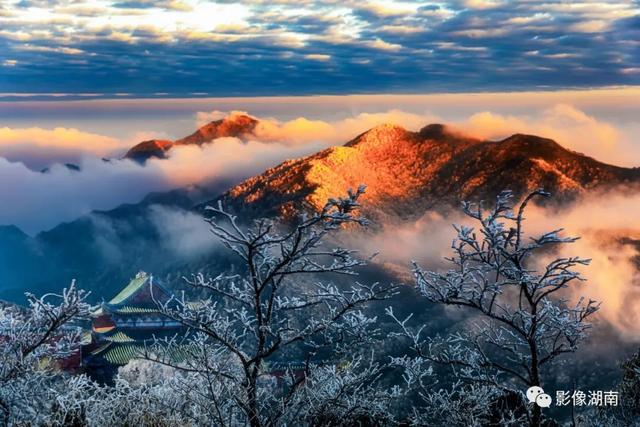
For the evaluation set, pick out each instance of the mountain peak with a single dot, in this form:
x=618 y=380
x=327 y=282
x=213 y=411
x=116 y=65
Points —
x=238 y=125
x=409 y=173
x=239 y=118
x=150 y=148
x=380 y=135
x=12 y=231
x=434 y=131
x=536 y=146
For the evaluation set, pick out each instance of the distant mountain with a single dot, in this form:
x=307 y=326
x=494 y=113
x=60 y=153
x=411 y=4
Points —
x=22 y=263
x=235 y=125
x=70 y=166
x=408 y=173
x=147 y=149
x=101 y=250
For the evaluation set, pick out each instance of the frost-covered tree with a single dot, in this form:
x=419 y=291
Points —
x=277 y=309
x=143 y=394
x=630 y=385
x=523 y=321
x=32 y=339
x=627 y=412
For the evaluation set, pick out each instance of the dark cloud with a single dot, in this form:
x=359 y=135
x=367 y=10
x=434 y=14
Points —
x=327 y=47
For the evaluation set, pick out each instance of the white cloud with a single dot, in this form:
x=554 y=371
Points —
x=601 y=221
x=38 y=148
x=57 y=137
x=383 y=45
x=483 y=4
x=185 y=234
x=35 y=201
x=318 y=57
x=569 y=126
x=65 y=194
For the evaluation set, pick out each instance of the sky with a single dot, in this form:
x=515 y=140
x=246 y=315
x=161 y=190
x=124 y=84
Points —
x=187 y=48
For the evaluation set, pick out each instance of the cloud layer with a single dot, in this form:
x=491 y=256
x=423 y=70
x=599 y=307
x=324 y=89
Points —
x=607 y=225
x=609 y=235
x=66 y=194
x=254 y=47
x=35 y=201
x=303 y=130
x=566 y=124
x=39 y=148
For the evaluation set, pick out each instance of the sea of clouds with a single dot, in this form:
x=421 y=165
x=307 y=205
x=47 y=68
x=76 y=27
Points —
x=66 y=194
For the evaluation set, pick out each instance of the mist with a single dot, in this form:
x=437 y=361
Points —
x=183 y=234
x=35 y=201
x=38 y=201
x=609 y=235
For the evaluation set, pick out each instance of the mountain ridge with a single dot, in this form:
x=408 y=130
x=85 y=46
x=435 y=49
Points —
x=232 y=126
x=409 y=172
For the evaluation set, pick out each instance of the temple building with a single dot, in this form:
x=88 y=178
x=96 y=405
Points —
x=123 y=326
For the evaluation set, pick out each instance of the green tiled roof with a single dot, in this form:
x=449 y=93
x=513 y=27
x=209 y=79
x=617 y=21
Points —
x=101 y=348
x=127 y=309
x=135 y=284
x=119 y=337
x=122 y=354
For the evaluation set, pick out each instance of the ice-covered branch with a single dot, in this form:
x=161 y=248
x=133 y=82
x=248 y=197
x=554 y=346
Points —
x=276 y=307
x=521 y=322
x=32 y=340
